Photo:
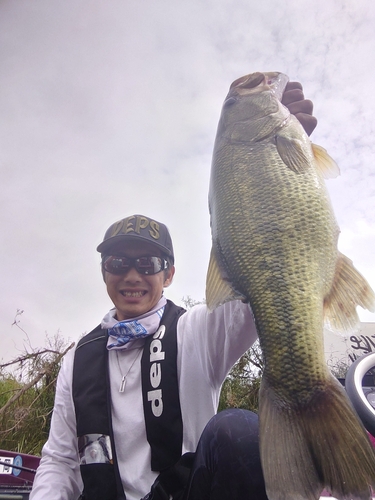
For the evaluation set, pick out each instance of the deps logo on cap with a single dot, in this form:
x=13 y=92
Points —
x=137 y=227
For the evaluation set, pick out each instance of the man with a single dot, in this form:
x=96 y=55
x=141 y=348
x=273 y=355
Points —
x=142 y=389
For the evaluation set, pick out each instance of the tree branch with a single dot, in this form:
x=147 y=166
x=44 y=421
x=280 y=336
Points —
x=35 y=380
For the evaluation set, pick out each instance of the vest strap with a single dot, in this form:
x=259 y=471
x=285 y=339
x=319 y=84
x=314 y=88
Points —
x=161 y=400
x=92 y=401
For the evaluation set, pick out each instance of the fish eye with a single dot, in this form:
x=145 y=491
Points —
x=230 y=101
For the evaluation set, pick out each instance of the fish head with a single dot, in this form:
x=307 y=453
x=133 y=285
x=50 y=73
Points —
x=253 y=107
x=255 y=83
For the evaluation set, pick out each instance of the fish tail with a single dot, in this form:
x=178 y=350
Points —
x=318 y=445
x=349 y=290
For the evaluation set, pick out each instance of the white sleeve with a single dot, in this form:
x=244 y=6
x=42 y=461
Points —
x=58 y=475
x=220 y=337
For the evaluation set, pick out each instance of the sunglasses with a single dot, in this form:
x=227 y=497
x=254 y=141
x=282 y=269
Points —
x=143 y=265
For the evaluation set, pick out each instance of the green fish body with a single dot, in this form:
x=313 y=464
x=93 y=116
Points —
x=274 y=245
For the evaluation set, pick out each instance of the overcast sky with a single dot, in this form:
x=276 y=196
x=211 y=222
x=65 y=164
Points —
x=110 y=107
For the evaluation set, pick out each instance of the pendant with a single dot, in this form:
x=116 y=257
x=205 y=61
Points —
x=123 y=384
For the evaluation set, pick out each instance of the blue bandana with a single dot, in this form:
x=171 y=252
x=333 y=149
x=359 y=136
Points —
x=122 y=332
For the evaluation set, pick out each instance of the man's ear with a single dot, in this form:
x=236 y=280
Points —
x=169 y=278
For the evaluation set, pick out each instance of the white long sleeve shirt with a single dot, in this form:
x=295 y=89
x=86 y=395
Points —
x=208 y=346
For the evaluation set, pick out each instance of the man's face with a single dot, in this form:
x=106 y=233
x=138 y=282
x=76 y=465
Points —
x=134 y=294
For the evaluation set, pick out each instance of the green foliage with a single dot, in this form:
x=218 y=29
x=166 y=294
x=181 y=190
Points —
x=241 y=387
x=8 y=386
x=239 y=394
x=27 y=391
x=25 y=424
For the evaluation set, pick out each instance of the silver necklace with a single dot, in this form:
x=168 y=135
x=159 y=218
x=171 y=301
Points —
x=123 y=377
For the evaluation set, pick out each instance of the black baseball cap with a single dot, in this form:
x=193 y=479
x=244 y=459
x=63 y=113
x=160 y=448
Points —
x=137 y=227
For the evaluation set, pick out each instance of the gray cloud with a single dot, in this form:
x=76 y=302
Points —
x=108 y=109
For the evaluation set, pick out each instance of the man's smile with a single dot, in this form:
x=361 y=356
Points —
x=126 y=293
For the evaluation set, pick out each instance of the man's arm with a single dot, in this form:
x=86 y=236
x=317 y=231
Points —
x=219 y=338
x=58 y=476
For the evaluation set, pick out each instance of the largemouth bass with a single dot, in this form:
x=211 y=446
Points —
x=274 y=245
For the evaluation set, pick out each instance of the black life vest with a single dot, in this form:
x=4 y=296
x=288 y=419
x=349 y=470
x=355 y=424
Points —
x=161 y=403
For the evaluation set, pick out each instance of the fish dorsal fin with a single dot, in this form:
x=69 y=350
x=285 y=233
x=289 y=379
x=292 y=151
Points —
x=324 y=163
x=294 y=153
x=349 y=290
x=218 y=288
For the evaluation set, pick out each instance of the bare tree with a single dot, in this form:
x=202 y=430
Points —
x=27 y=389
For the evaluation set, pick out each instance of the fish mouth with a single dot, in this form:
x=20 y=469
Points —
x=274 y=81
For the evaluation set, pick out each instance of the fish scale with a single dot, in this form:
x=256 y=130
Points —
x=274 y=245
x=263 y=253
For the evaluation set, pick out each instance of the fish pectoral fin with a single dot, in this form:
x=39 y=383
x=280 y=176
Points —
x=349 y=290
x=294 y=153
x=218 y=289
x=324 y=163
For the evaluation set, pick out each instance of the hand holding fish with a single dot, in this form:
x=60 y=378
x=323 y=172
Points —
x=294 y=99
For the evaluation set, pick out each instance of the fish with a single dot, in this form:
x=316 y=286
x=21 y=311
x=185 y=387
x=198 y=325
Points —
x=274 y=246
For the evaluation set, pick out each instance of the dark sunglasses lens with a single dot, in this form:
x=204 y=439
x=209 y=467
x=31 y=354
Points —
x=149 y=265
x=144 y=265
x=117 y=265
